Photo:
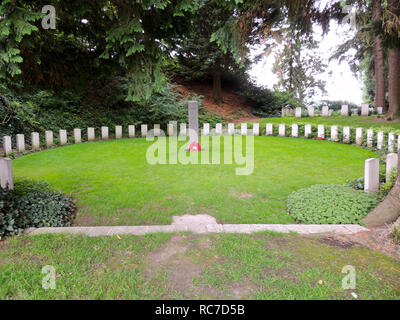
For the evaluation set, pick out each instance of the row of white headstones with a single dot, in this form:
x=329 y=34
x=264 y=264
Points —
x=219 y=130
x=371 y=165
x=326 y=112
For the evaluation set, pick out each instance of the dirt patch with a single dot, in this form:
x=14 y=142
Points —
x=336 y=242
x=243 y=195
x=233 y=109
x=183 y=261
x=181 y=269
x=198 y=219
x=242 y=290
x=378 y=239
x=83 y=219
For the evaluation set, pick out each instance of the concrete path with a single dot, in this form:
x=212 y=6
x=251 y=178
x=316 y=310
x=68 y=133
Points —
x=201 y=223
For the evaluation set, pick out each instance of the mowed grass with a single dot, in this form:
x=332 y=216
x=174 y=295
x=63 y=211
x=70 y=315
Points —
x=373 y=122
x=115 y=185
x=185 y=266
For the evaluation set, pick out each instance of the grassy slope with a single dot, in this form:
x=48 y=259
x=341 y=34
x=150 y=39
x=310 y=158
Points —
x=116 y=186
x=355 y=122
x=161 y=266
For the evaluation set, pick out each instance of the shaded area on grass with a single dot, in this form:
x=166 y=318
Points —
x=182 y=266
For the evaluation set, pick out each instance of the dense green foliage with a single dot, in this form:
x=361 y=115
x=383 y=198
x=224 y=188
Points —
x=333 y=204
x=33 y=204
x=45 y=110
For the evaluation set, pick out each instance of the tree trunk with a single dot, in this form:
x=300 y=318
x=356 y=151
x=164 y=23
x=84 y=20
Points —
x=388 y=210
x=394 y=57
x=394 y=61
x=380 y=90
x=217 y=88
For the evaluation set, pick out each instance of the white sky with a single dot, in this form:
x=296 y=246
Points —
x=340 y=85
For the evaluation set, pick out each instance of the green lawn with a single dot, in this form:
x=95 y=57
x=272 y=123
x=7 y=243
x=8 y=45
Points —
x=115 y=185
x=185 y=266
x=355 y=122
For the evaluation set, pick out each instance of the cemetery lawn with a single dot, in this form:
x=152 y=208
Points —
x=187 y=266
x=114 y=184
x=371 y=122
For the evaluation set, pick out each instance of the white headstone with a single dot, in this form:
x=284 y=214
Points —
x=231 y=129
x=269 y=128
x=307 y=130
x=104 y=133
x=118 y=132
x=182 y=130
x=91 y=134
x=379 y=110
x=243 y=129
x=49 y=138
x=364 y=110
x=295 y=130
x=63 y=137
x=359 y=136
x=345 y=110
x=371 y=175
x=7 y=146
x=157 y=130
x=334 y=133
x=391 y=141
x=131 y=131
x=6 y=174
x=370 y=138
x=391 y=164
x=325 y=111
x=282 y=130
x=256 y=129
x=206 y=129
x=35 y=141
x=175 y=128
x=170 y=129
x=77 y=135
x=398 y=143
x=311 y=111
x=346 y=134
x=218 y=128
x=321 y=131
x=143 y=130
x=298 y=112
x=380 y=140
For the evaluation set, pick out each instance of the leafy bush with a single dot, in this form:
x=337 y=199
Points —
x=331 y=204
x=396 y=232
x=33 y=204
x=335 y=105
x=357 y=184
x=40 y=110
x=385 y=187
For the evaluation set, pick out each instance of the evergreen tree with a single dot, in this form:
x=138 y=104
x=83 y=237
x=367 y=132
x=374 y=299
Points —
x=298 y=64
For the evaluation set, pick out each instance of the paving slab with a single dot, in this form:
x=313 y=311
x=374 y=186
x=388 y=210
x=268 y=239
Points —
x=200 y=229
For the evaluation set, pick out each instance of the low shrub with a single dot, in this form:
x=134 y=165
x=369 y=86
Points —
x=330 y=204
x=396 y=232
x=385 y=187
x=33 y=204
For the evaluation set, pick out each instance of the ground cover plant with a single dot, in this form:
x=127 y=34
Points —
x=330 y=204
x=33 y=204
x=184 y=266
x=114 y=184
